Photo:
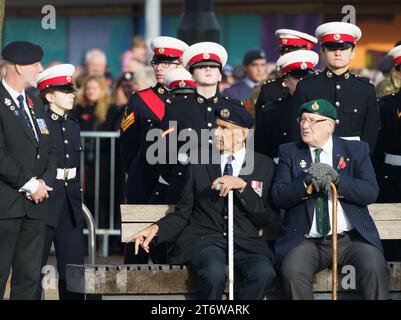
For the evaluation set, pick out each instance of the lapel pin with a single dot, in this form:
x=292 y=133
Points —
x=12 y=108
x=7 y=102
x=302 y=163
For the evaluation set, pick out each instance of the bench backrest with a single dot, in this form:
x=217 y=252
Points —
x=387 y=217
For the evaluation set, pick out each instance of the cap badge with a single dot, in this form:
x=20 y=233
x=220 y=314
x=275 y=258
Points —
x=160 y=90
x=54 y=116
x=337 y=36
x=346 y=75
x=284 y=41
x=329 y=74
x=69 y=79
x=225 y=113
x=182 y=83
x=200 y=99
x=206 y=56
x=215 y=99
x=7 y=102
x=315 y=106
x=304 y=65
x=302 y=164
x=161 y=50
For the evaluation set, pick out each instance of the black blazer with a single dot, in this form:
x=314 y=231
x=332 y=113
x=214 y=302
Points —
x=21 y=159
x=200 y=218
x=357 y=188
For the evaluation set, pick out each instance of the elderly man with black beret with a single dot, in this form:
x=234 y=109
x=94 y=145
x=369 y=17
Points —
x=199 y=223
x=304 y=245
x=27 y=172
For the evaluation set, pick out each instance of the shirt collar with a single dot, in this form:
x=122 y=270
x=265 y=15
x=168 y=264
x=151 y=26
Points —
x=239 y=155
x=249 y=82
x=14 y=94
x=327 y=147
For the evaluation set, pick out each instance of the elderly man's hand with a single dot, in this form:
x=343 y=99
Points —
x=228 y=183
x=323 y=174
x=143 y=238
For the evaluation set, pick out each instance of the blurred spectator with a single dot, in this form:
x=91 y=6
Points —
x=227 y=79
x=96 y=65
x=391 y=82
x=135 y=57
x=255 y=68
x=144 y=78
x=92 y=105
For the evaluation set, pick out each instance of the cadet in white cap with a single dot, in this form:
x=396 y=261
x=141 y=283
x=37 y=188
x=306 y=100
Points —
x=64 y=226
x=193 y=112
x=144 y=111
x=272 y=89
x=354 y=97
x=274 y=120
x=179 y=81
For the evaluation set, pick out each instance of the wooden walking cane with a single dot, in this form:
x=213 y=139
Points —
x=334 y=281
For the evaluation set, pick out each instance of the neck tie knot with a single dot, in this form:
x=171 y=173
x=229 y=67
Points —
x=318 y=151
x=228 y=168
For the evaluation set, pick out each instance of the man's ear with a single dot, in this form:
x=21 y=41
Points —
x=18 y=68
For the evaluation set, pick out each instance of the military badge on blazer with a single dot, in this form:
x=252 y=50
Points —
x=303 y=164
x=7 y=102
x=257 y=186
x=42 y=126
x=225 y=113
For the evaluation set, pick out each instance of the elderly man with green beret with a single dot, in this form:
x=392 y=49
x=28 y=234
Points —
x=304 y=246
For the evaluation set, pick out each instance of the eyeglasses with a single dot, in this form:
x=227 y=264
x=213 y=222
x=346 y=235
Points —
x=164 y=64
x=312 y=122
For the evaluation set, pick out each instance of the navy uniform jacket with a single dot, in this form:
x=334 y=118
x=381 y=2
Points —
x=357 y=189
x=270 y=91
x=139 y=118
x=201 y=217
x=271 y=129
x=65 y=131
x=21 y=159
x=389 y=141
x=239 y=90
x=192 y=112
x=354 y=98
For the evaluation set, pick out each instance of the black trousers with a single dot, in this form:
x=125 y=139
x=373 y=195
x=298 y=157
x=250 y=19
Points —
x=257 y=273
x=21 y=247
x=69 y=245
x=312 y=255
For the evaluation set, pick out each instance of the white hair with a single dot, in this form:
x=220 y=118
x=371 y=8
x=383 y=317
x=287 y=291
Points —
x=93 y=52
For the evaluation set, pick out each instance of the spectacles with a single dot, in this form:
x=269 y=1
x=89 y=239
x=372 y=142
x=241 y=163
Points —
x=312 y=122
x=164 y=64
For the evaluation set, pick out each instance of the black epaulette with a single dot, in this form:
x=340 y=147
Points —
x=310 y=76
x=178 y=98
x=267 y=106
x=363 y=79
x=235 y=101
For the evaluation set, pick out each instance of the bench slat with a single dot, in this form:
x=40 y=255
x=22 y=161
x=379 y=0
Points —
x=144 y=213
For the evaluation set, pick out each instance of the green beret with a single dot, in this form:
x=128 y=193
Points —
x=319 y=106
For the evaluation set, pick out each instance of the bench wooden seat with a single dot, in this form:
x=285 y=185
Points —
x=96 y=281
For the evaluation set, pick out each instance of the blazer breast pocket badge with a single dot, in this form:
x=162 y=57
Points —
x=42 y=126
x=257 y=186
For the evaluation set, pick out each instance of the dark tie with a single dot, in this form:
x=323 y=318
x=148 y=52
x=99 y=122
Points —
x=20 y=99
x=322 y=206
x=228 y=168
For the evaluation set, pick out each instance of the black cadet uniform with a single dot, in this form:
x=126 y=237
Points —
x=194 y=113
x=144 y=111
x=65 y=224
x=271 y=128
x=354 y=98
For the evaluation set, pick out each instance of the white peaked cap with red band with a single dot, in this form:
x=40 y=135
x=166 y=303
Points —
x=58 y=75
x=179 y=77
x=289 y=37
x=300 y=60
x=338 y=32
x=168 y=46
x=395 y=54
x=202 y=51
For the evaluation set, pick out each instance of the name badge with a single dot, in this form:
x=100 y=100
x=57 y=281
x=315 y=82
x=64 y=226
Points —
x=42 y=126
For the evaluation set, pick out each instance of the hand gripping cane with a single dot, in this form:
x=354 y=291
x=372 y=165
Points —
x=333 y=188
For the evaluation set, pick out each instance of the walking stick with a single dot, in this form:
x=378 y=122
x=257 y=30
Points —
x=230 y=246
x=334 y=282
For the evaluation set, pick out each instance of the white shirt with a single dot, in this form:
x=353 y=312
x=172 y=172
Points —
x=326 y=156
x=237 y=163
x=32 y=185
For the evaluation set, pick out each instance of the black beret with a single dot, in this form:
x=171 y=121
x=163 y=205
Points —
x=236 y=115
x=252 y=55
x=22 y=52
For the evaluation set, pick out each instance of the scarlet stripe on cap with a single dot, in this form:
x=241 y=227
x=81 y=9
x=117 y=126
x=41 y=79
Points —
x=303 y=65
x=338 y=37
x=204 y=56
x=168 y=52
x=397 y=60
x=54 y=81
x=182 y=83
x=295 y=42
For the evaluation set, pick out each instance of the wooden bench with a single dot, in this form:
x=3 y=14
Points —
x=166 y=281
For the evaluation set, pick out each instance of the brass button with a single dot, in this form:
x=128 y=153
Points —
x=338 y=87
x=209 y=124
x=337 y=103
x=285 y=133
x=179 y=173
x=62 y=128
x=225 y=234
x=225 y=217
x=38 y=156
x=66 y=183
x=210 y=140
x=67 y=156
x=209 y=109
x=66 y=141
x=355 y=110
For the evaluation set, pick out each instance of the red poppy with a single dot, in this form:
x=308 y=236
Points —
x=30 y=102
x=341 y=164
x=85 y=116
